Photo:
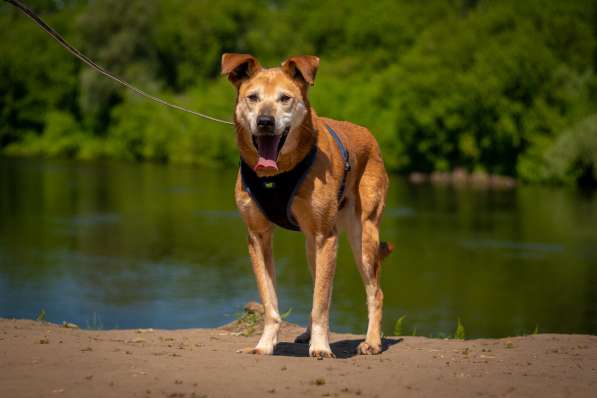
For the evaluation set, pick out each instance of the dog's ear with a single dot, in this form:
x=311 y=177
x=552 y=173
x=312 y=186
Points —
x=239 y=67
x=302 y=68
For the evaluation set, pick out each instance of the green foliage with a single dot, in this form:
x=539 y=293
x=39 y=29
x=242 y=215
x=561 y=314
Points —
x=573 y=156
x=398 y=326
x=459 y=333
x=36 y=76
x=482 y=85
x=116 y=32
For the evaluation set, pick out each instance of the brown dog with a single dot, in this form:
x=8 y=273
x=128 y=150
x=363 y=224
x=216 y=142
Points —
x=277 y=133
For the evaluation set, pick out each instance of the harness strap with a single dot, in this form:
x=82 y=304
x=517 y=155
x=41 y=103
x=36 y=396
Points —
x=274 y=194
x=345 y=155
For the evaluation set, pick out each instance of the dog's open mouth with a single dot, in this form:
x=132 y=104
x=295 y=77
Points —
x=268 y=147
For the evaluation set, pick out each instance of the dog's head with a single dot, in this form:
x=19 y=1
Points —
x=271 y=103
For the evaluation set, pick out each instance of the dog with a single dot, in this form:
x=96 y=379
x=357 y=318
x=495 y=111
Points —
x=309 y=173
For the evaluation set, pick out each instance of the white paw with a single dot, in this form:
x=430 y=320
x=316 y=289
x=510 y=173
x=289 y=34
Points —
x=259 y=350
x=321 y=352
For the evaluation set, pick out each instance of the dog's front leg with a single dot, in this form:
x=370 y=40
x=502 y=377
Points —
x=260 y=250
x=325 y=246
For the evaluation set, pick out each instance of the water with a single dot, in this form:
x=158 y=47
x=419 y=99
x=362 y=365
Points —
x=118 y=245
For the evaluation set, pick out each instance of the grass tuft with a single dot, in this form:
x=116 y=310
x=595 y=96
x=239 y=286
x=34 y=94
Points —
x=459 y=334
x=285 y=315
x=398 y=325
x=536 y=331
x=41 y=317
x=249 y=322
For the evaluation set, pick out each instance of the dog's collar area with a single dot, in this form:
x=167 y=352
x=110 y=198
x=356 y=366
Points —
x=274 y=194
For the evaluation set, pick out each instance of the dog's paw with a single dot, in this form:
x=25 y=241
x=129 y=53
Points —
x=321 y=353
x=256 y=351
x=303 y=338
x=368 y=349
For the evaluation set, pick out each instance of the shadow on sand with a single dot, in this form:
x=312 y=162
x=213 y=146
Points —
x=343 y=349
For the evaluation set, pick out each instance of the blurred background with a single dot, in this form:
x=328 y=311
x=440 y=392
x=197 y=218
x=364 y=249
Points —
x=115 y=208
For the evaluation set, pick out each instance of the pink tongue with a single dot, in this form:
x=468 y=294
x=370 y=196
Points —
x=267 y=146
x=265 y=164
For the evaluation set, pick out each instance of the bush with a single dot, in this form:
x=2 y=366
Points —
x=481 y=85
x=573 y=157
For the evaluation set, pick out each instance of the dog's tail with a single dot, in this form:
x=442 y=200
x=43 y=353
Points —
x=385 y=248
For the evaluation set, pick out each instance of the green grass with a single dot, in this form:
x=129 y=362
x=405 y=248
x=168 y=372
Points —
x=398 y=325
x=41 y=316
x=459 y=333
x=249 y=321
x=285 y=315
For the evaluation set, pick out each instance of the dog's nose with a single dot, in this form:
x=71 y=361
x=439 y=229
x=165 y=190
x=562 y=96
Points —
x=266 y=121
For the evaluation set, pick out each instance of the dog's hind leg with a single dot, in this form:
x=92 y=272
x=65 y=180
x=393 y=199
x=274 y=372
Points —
x=325 y=245
x=305 y=337
x=260 y=250
x=364 y=239
x=363 y=234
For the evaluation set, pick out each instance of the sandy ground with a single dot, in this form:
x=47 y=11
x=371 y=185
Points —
x=46 y=360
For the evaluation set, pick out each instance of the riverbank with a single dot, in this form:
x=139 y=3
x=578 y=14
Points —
x=47 y=360
x=461 y=177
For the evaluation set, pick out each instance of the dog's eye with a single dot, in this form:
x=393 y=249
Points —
x=253 y=98
x=284 y=98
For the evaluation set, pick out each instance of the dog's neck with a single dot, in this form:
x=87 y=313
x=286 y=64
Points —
x=302 y=138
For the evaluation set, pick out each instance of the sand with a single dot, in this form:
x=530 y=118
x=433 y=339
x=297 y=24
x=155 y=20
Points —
x=39 y=359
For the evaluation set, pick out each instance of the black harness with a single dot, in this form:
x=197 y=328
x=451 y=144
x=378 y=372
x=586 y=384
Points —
x=274 y=194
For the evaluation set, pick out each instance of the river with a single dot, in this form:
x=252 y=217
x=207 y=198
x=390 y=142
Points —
x=110 y=244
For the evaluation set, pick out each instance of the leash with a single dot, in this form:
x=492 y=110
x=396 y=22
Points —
x=82 y=57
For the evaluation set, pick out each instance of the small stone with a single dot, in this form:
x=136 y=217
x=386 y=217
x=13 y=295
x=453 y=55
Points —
x=70 y=325
x=253 y=307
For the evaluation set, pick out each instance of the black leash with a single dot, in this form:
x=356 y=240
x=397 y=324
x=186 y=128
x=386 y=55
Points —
x=56 y=36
